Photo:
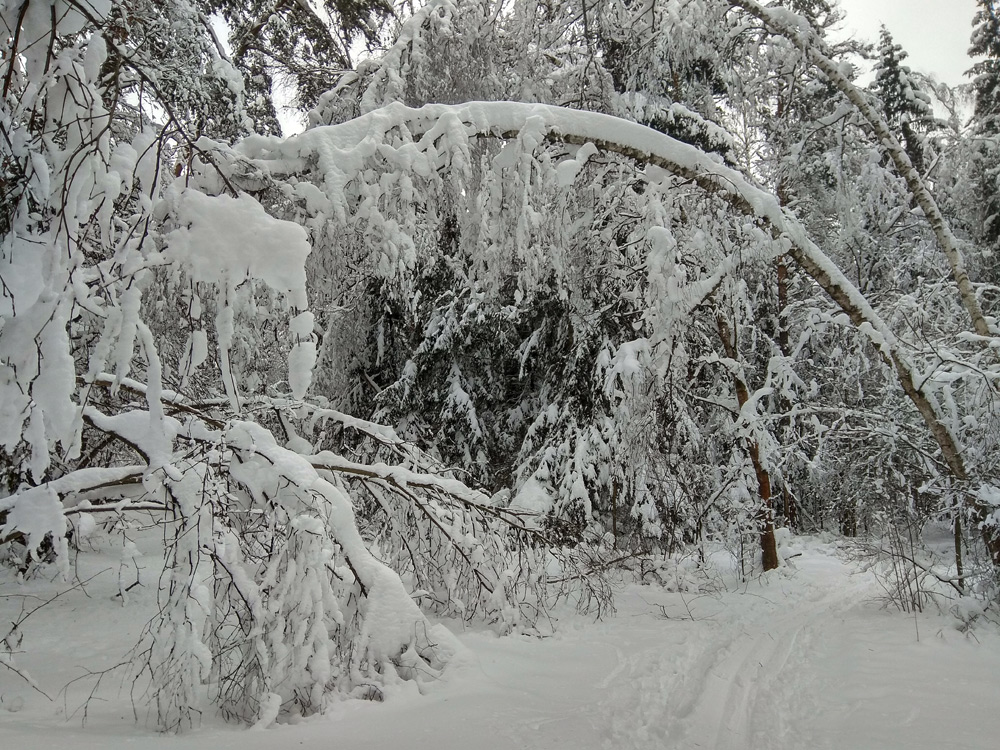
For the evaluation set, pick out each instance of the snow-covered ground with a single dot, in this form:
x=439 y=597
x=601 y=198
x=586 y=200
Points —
x=805 y=657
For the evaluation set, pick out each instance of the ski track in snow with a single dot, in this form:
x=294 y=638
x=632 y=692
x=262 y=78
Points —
x=750 y=674
x=720 y=691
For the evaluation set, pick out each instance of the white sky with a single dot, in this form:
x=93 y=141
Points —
x=935 y=33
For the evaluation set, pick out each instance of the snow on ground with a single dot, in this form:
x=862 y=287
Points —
x=805 y=657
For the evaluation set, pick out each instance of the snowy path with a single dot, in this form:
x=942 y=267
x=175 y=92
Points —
x=803 y=659
x=727 y=682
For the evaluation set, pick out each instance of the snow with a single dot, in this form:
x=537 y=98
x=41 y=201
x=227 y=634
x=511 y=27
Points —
x=806 y=656
x=22 y=270
x=134 y=427
x=532 y=497
x=567 y=170
x=629 y=364
x=225 y=240
x=35 y=513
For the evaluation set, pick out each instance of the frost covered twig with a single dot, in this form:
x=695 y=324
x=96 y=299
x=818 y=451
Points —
x=12 y=640
x=7 y=661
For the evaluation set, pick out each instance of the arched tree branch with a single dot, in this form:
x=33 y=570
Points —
x=508 y=120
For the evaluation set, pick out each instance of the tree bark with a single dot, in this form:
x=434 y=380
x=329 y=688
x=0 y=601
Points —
x=768 y=544
x=959 y=564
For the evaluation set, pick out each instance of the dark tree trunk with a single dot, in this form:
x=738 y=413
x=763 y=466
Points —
x=959 y=564
x=768 y=545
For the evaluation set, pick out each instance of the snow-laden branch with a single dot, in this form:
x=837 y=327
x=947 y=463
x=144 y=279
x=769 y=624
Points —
x=39 y=511
x=399 y=134
x=384 y=631
x=131 y=427
x=340 y=151
x=400 y=477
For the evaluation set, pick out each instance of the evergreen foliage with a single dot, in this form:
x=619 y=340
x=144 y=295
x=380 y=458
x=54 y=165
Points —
x=906 y=108
x=985 y=42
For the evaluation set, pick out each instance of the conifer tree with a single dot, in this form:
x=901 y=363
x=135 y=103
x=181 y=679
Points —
x=303 y=46
x=673 y=83
x=906 y=108
x=985 y=42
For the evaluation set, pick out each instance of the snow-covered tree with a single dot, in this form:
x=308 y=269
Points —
x=156 y=336
x=985 y=43
x=905 y=106
x=566 y=316
x=293 y=50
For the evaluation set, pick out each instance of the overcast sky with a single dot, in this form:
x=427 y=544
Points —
x=935 y=33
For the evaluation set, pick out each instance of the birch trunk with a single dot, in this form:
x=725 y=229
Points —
x=813 y=48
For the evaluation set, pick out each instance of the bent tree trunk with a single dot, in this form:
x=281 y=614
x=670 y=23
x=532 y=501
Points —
x=814 y=50
x=506 y=120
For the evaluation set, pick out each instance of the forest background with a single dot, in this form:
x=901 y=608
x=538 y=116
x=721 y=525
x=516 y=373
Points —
x=543 y=288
